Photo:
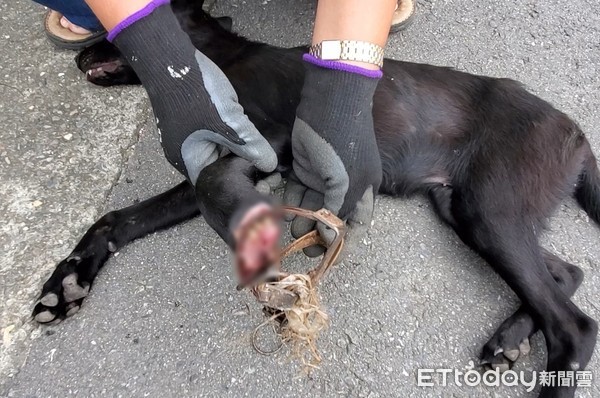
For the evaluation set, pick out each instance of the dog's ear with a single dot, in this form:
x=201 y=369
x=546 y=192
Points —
x=225 y=22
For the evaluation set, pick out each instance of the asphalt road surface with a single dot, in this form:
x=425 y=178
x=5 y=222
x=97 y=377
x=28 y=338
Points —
x=164 y=318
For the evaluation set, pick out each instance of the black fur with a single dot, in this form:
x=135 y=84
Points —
x=494 y=159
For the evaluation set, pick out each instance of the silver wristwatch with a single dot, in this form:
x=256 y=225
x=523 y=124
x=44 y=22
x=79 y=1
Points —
x=348 y=50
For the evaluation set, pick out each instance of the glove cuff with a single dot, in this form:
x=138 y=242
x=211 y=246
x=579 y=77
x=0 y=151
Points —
x=344 y=67
x=133 y=18
x=156 y=47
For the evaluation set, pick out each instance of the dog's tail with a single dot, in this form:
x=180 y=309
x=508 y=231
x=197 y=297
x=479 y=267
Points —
x=587 y=191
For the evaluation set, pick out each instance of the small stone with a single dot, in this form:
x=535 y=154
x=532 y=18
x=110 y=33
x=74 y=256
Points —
x=7 y=338
x=352 y=336
x=68 y=136
x=36 y=203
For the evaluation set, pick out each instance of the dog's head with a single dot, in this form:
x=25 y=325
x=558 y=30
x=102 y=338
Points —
x=104 y=65
x=200 y=25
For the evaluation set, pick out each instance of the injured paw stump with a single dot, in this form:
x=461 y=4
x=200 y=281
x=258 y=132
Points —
x=292 y=299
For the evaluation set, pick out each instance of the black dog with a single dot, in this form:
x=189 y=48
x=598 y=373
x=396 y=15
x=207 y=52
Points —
x=494 y=160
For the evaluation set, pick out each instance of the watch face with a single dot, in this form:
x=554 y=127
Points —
x=331 y=50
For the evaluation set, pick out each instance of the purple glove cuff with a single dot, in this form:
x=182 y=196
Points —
x=133 y=18
x=336 y=65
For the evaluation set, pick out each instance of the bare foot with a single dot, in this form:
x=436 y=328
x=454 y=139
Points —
x=65 y=23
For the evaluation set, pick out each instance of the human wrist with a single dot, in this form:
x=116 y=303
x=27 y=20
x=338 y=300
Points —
x=354 y=20
x=130 y=13
x=363 y=65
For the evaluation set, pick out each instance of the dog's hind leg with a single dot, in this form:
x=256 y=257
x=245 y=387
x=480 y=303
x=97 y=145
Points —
x=587 y=191
x=69 y=284
x=441 y=198
x=509 y=244
x=511 y=339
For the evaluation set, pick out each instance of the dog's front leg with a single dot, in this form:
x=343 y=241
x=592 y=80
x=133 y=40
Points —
x=243 y=217
x=65 y=290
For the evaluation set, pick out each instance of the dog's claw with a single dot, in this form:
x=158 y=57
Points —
x=45 y=317
x=72 y=309
x=50 y=300
x=512 y=355
x=525 y=347
x=72 y=290
x=500 y=363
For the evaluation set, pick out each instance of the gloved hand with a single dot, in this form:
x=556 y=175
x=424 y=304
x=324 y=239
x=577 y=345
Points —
x=336 y=160
x=196 y=108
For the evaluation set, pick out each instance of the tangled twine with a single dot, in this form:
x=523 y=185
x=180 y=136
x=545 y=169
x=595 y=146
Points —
x=304 y=320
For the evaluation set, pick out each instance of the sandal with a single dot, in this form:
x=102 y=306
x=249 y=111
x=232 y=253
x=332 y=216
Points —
x=65 y=38
x=404 y=15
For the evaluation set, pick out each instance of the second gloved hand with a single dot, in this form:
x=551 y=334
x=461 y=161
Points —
x=336 y=159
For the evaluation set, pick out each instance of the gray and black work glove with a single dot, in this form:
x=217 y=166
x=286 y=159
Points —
x=196 y=108
x=336 y=160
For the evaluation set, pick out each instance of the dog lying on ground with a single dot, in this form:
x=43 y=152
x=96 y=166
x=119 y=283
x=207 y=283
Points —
x=494 y=160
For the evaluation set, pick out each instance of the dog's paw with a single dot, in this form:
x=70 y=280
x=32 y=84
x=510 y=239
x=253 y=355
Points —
x=63 y=294
x=256 y=242
x=509 y=343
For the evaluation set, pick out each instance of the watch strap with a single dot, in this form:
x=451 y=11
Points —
x=348 y=50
